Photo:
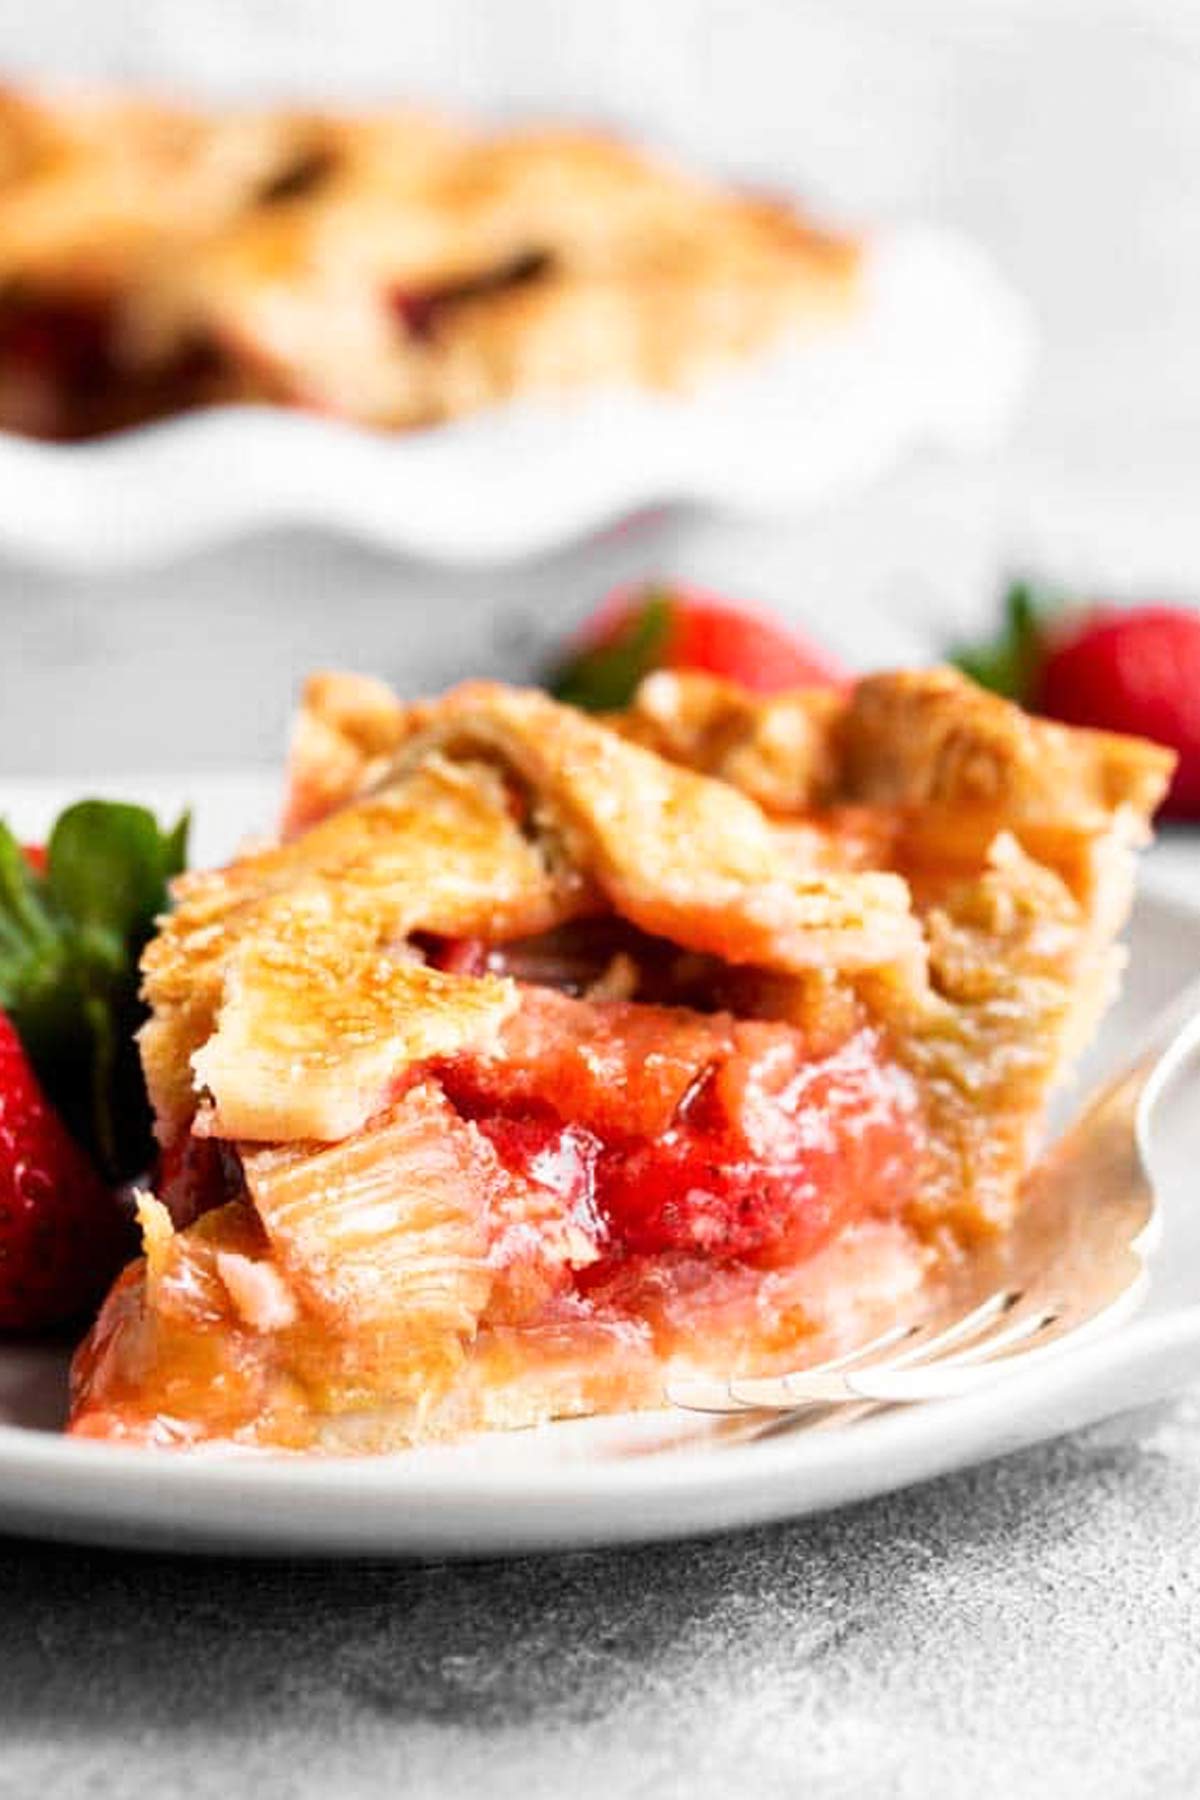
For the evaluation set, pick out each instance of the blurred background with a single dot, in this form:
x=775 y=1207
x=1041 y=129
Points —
x=1065 y=137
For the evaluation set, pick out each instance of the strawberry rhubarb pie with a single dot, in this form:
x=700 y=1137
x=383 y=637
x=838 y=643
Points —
x=547 y=1057
x=392 y=268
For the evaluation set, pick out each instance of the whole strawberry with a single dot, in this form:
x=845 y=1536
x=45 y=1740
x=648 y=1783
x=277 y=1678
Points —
x=1137 y=672
x=62 y=1234
x=639 y=629
x=1128 y=669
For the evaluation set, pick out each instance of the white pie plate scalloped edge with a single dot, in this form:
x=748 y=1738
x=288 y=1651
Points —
x=606 y=1481
x=937 y=357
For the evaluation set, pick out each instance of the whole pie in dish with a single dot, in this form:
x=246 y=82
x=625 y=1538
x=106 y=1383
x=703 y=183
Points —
x=545 y=1059
x=392 y=268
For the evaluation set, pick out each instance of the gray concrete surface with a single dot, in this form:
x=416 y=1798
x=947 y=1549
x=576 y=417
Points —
x=1027 y=1631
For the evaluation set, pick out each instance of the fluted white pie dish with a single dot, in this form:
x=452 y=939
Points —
x=936 y=357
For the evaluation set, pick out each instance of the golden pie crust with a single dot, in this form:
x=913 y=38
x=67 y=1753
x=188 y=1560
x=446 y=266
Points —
x=393 y=268
x=909 y=865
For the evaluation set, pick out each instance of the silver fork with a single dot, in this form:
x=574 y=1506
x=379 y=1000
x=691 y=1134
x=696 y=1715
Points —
x=1074 y=1266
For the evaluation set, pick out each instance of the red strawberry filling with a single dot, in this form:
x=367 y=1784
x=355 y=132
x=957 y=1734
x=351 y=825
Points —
x=196 y=1174
x=655 y=1128
x=62 y=376
x=421 y=310
x=680 y=1131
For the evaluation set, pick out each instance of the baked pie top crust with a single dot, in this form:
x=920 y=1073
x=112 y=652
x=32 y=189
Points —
x=395 y=268
x=502 y=815
x=1006 y=843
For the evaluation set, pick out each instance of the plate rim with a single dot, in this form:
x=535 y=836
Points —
x=578 y=1505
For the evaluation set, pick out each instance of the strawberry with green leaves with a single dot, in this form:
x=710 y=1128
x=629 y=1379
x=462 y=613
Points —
x=74 y=1117
x=1128 y=669
x=640 y=629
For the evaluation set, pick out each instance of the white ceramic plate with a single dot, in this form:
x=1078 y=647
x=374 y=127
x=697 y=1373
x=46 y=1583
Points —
x=937 y=357
x=609 y=1481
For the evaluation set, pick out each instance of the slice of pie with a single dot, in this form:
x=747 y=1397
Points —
x=545 y=1059
x=389 y=267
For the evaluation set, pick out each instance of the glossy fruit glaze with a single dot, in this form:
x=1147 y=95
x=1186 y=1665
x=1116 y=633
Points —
x=700 y=1133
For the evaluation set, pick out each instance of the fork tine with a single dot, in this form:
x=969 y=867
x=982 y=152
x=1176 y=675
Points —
x=944 y=1379
x=702 y=1393
x=971 y=1325
x=705 y=1394
x=1020 y=1330
x=776 y=1390
x=843 y=1380
x=895 y=1334
x=835 y=1380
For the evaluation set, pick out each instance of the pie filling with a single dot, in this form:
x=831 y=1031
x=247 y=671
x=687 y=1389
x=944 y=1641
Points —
x=630 y=1166
x=421 y=310
x=62 y=378
x=659 y=1125
x=670 y=1131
